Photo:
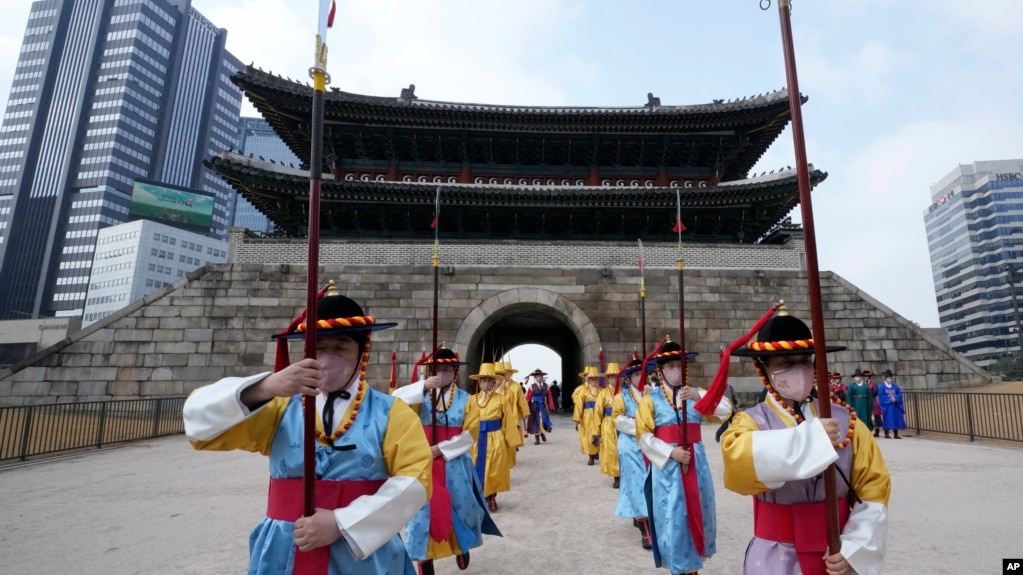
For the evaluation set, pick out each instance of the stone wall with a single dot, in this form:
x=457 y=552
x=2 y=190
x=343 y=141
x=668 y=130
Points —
x=218 y=322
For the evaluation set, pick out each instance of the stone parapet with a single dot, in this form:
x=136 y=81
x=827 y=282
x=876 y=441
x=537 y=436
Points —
x=218 y=322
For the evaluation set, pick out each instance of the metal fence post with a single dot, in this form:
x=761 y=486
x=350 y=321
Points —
x=101 y=428
x=916 y=410
x=156 y=418
x=969 y=415
x=27 y=433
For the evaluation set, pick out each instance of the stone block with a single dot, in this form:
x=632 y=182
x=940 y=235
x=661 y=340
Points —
x=196 y=335
x=175 y=347
x=171 y=335
x=158 y=388
x=30 y=388
x=92 y=388
x=123 y=388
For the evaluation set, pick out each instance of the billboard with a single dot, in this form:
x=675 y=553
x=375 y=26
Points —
x=180 y=207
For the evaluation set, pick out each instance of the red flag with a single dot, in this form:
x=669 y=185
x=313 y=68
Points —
x=330 y=16
x=433 y=224
x=393 y=384
x=679 y=227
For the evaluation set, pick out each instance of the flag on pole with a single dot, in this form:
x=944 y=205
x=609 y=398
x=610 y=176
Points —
x=436 y=210
x=679 y=226
x=326 y=18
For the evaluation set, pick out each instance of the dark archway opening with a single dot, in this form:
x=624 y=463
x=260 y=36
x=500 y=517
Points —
x=526 y=323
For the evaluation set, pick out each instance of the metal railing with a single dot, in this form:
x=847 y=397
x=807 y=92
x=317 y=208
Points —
x=33 y=430
x=974 y=415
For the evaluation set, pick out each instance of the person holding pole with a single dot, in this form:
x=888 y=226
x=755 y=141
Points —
x=456 y=517
x=777 y=450
x=587 y=417
x=498 y=431
x=683 y=513
x=372 y=460
x=631 y=503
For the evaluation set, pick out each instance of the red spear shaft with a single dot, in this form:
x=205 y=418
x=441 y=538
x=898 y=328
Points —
x=812 y=271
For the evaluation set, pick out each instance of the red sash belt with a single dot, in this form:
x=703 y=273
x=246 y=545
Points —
x=804 y=525
x=287 y=497
x=673 y=433
x=690 y=483
x=440 y=500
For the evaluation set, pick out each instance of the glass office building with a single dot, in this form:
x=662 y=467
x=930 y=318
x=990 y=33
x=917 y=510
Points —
x=257 y=139
x=104 y=92
x=975 y=238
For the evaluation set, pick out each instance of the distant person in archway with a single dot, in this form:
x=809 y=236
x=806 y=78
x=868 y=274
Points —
x=498 y=430
x=586 y=416
x=556 y=395
x=889 y=395
x=538 y=396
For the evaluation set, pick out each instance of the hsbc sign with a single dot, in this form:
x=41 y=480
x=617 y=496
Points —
x=1008 y=176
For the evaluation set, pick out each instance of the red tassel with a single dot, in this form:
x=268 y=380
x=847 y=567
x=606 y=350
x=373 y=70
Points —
x=330 y=16
x=393 y=384
x=646 y=360
x=710 y=401
x=679 y=226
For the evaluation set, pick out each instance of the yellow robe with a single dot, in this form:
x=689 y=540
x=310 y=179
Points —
x=516 y=399
x=608 y=433
x=498 y=460
x=589 y=420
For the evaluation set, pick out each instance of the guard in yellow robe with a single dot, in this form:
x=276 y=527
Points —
x=491 y=453
x=608 y=433
x=516 y=399
x=372 y=470
x=776 y=451
x=586 y=416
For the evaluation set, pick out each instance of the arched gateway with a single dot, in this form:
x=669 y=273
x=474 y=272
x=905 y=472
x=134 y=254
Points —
x=531 y=315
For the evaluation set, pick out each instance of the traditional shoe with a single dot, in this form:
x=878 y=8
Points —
x=644 y=540
x=462 y=561
x=492 y=502
x=426 y=567
x=887 y=435
x=635 y=523
x=644 y=530
x=590 y=462
x=536 y=440
x=617 y=483
x=544 y=437
x=596 y=457
x=876 y=432
x=897 y=436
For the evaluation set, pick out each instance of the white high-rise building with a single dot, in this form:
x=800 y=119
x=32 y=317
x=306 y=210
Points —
x=134 y=259
x=975 y=238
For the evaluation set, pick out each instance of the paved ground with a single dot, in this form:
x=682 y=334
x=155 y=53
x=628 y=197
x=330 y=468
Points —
x=160 y=507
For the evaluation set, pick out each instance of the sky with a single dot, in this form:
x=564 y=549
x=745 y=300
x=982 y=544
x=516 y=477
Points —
x=900 y=92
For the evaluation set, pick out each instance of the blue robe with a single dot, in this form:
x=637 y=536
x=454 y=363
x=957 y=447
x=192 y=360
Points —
x=631 y=502
x=272 y=542
x=673 y=543
x=893 y=412
x=469 y=515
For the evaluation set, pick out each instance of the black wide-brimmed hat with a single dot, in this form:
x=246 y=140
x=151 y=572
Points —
x=888 y=373
x=783 y=334
x=671 y=351
x=335 y=315
x=857 y=373
x=632 y=367
x=445 y=356
x=538 y=372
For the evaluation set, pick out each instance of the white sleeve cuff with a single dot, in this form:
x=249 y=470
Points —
x=371 y=520
x=411 y=394
x=626 y=425
x=864 y=537
x=213 y=409
x=799 y=452
x=656 y=450
x=457 y=445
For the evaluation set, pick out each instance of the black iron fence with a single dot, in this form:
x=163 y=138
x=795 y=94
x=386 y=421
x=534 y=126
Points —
x=33 y=430
x=974 y=415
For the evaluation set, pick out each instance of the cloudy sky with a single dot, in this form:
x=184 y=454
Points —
x=900 y=92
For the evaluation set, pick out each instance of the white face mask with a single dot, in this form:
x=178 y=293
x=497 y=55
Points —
x=337 y=371
x=793 y=383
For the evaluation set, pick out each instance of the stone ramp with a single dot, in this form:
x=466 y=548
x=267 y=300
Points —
x=160 y=507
